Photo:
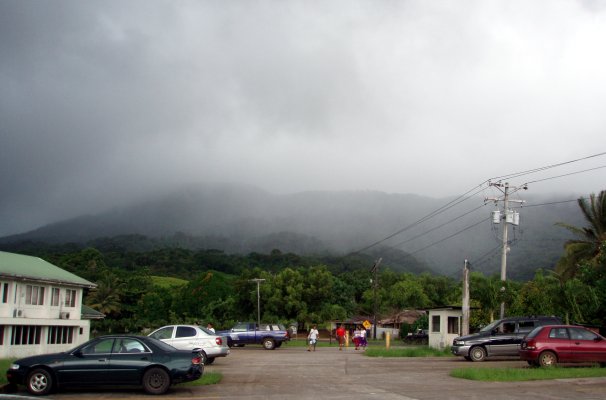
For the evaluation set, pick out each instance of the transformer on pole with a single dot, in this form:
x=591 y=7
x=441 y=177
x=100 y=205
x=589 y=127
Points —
x=509 y=217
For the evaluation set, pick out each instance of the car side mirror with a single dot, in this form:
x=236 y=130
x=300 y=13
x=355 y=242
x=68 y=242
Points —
x=77 y=353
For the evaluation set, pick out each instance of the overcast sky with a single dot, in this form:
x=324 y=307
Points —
x=101 y=101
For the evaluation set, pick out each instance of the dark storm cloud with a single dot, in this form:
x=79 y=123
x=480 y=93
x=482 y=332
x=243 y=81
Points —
x=105 y=101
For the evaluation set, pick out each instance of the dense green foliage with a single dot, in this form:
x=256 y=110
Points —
x=139 y=290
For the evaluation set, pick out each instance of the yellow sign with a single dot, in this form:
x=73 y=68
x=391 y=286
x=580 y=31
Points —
x=367 y=324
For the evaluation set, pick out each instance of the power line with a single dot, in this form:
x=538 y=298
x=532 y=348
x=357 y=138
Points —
x=437 y=227
x=535 y=170
x=450 y=236
x=465 y=196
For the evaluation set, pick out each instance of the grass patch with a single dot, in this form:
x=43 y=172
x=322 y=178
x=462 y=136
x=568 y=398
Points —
x=208 y=378
x=5 y=363
x=407 y=352
x=527 y=373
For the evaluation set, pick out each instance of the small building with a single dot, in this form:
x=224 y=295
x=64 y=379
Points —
x=444 y=325
x=393 y=323
x=41 y=309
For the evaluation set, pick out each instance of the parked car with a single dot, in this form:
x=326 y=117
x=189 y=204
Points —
x=118 y=360
x=190 y=337
x=501 y=338
x=270 y=336
x=553 y=344
x=420 y=336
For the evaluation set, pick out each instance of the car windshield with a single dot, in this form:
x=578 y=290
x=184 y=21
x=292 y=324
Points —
x=491 y=326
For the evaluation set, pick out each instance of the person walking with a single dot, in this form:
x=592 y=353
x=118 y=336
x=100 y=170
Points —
x=340 y=332
x=363 y=342
x=356 y=337
x=313 y=337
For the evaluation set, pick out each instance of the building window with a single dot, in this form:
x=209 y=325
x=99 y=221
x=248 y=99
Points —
x=453 y=325
x=24 y=334
x=34 y=295
x=70 y=298
x=435 y=323
x=60 y=334
x=55 y=297
x=1 y=335
x=5 y=292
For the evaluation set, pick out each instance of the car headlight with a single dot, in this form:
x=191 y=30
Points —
x=458 y=343
x=14 y=366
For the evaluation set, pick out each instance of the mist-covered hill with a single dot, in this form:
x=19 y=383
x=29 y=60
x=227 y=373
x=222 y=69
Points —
x=243 y=219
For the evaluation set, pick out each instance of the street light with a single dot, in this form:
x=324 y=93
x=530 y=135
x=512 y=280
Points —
x=258 y=280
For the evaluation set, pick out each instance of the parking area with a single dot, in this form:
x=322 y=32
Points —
x=294 y=373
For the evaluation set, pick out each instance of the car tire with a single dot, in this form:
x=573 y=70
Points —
x=548 y=359
x=209 y=361
x=204 y=358
x=156 y=381
x=269 y=344
x=477 y=353
x=39 y=382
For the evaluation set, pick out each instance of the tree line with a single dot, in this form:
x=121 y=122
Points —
x=140 y=291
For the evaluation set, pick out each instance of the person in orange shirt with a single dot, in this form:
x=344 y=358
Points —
x=341 y=336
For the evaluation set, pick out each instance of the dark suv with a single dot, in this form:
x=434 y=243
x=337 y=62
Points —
x=500 y=338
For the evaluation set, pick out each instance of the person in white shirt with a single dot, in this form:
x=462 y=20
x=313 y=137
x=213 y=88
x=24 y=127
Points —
x=313 y=337
x=210 y=327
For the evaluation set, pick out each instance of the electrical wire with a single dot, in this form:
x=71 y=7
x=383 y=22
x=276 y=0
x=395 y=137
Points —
x=450 y=236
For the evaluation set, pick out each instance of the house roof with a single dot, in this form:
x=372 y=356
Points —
x=405 y=316
x=91 y=313
x=21 y=267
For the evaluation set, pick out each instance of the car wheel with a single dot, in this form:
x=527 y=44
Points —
x=477 y=353
x=156 y=381
x=548 y=359
x=209 y=361
x=204 y=358
x=269 y=344
x=39 y=382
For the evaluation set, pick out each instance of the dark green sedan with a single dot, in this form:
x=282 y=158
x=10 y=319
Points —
x=109 y=361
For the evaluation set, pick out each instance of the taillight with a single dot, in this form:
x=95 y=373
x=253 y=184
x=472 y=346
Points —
x=219 y=341
x=529 y=345
x=196 y=360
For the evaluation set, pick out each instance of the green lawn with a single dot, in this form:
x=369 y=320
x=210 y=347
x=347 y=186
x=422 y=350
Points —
x=527 y=373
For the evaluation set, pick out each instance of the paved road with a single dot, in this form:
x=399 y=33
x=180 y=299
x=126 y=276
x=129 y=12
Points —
x=294 y=373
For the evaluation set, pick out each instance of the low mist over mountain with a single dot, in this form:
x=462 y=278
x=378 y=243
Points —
x=242 y=219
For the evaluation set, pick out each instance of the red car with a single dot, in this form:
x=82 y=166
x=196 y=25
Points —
x=552 y=344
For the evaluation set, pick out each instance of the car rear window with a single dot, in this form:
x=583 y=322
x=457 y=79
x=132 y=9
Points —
x=534 y=332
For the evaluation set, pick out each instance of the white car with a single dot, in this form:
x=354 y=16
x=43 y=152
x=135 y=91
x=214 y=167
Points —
x=189 y=337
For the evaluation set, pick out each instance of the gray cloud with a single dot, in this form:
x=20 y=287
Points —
x=105 y=101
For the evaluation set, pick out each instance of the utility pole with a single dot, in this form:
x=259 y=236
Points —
x=509 y=217
x=258 y=280
x=375 y=281
x=465 y=327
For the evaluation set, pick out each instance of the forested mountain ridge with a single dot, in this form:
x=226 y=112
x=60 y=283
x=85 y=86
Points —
x=244 y=219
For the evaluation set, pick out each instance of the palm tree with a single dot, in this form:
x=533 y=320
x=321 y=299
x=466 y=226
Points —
x=105 y=297
x=586 y=248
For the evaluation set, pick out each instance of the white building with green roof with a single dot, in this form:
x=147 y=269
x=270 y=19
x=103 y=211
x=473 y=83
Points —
x=41 y=309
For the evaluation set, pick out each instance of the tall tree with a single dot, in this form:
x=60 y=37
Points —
x=589 y=239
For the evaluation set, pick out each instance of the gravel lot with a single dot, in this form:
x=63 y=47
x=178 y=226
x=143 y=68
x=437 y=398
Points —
x=294 y=373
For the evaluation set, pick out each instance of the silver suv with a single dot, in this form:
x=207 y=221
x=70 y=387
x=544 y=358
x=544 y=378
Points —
x=502 y=337
x=189 y=337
